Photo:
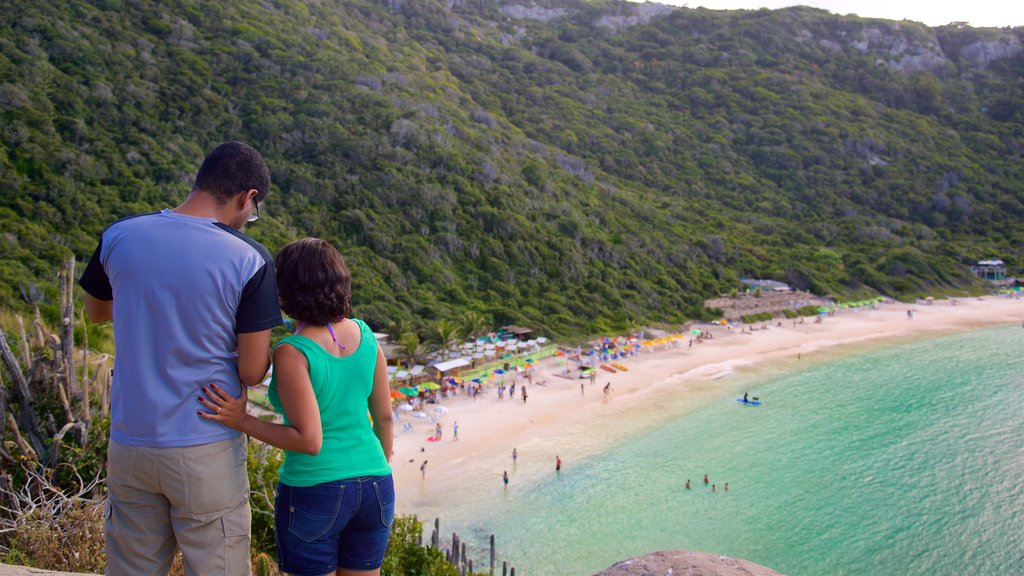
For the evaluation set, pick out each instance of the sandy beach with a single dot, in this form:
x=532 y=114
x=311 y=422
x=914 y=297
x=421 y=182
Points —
x=551 y=421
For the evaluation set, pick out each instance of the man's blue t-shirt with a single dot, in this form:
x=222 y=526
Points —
x=182 y=287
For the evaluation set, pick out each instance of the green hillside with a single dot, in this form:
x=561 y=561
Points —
x=575 y=166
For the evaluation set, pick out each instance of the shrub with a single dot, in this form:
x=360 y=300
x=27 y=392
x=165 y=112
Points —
x=262 y=464
x=71 y=541
x=406 y=556
x=759 y=317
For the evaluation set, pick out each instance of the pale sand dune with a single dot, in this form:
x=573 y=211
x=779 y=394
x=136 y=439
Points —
x=488 y=430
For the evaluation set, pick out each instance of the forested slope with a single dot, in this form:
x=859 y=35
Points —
x=576 y=166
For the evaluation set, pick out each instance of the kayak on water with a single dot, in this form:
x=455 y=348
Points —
x=749 y=402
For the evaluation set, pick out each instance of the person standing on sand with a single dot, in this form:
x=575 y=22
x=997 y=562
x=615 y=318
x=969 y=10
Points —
x=193 y=300
x=515 y=455
x=524 y=394
x=558 y=464
x=581 y=389
x=455 y=431
x=423 y=469
x=504 y=478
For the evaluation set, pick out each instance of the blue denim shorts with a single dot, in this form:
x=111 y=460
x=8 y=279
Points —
x=336 y=524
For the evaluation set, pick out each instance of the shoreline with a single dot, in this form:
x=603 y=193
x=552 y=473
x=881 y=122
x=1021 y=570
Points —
x=558 y=415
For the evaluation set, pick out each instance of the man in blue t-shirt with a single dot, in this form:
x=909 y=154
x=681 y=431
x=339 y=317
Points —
x=193 y=301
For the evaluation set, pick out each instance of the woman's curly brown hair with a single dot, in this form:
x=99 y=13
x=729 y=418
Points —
x=314 y=284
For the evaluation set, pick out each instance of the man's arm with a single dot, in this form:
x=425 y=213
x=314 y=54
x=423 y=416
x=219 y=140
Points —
x=98 y=310
x=253 y=356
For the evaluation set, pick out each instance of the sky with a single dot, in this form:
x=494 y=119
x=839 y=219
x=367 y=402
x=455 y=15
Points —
x=978 y=13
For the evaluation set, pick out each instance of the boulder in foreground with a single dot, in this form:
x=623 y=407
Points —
x=683 y=563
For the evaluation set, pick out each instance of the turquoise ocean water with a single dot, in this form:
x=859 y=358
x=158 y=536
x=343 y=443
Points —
x=907 y=459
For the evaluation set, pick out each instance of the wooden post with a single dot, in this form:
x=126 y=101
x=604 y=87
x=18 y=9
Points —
x=436 y=540
x=86 y=383
x=504 y=568
x=67 y=318
x=513 y=571
x=455 y=548
x=108 y=378
x=470 y=569
x=492 y=555
x=462 y=553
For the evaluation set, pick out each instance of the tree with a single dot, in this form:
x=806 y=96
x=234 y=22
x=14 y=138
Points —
x=474 y=324
x=410 y=346
x=443 y=335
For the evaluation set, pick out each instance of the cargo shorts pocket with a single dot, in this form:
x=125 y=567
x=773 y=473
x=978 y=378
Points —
x=237 y=522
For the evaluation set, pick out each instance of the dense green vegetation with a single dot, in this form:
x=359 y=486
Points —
x=558 y=174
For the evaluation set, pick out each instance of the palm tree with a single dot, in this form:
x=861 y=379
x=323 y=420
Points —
x=398 y=328
x=474 y=324
x=410 y=345
x=444 y=334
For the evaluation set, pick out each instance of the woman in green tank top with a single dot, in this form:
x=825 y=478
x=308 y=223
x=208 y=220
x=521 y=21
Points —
x=336 y=499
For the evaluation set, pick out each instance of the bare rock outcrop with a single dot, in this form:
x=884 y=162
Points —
x=982 y=54
x=683 y=563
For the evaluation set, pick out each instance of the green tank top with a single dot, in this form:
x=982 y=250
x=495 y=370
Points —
x=342 y=387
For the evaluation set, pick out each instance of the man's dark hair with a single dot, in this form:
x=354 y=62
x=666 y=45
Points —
x=313 y=282
x=233 y=168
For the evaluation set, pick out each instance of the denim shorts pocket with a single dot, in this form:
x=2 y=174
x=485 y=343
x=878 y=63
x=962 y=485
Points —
x=313 y=510
x=385 y=490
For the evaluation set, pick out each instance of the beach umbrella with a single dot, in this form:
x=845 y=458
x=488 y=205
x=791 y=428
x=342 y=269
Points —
x=477 y=380
x=499 y=371
x=695 y=332
x=397 y=395
x=430 y=386
x=409 y=391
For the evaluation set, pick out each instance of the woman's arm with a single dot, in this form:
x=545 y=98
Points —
x=380 y=405
x=304 y=434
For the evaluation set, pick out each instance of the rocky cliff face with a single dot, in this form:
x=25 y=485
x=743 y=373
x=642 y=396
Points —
x=905 y=46
x=984 y=53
